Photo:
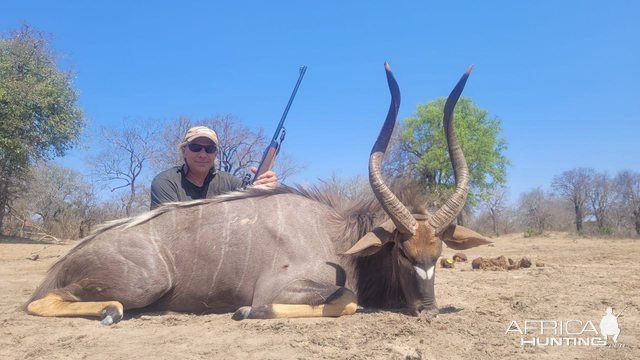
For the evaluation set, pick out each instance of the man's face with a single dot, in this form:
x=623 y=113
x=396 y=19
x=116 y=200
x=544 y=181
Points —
x=199 y=162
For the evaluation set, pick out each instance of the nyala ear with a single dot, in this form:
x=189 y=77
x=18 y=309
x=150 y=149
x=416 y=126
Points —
x=460 y=238
x=373 y=241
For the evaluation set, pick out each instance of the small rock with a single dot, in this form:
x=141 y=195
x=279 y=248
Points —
x=33 y=257
x=539 y=264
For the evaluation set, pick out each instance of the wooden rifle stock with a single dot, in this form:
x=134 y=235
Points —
x=268 y=159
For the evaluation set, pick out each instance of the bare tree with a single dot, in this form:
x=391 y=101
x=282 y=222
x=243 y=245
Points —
x=353 y=188
x=54 y=188
x=125 y=204
x=574 y=186
x=627 y=187
x=53 y=201
x=601 y=198
x=508 y=221
x=535 y=211
x=125 y=154
x=240 y=148
x=286 y=166
x=170 y=138
x=88 y=208
x=495 y=201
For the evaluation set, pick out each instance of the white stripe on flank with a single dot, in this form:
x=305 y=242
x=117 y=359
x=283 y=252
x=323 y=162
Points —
x=247 y=258
x=223 y=243
x=152 y=237
x=196 y=243
x=278 y=219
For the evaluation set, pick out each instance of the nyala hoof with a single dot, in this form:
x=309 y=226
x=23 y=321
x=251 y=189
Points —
x=242 y=313
x=111 y=315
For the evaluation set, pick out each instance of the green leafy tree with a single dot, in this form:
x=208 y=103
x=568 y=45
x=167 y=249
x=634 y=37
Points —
x=39 y=117
x=421 y=150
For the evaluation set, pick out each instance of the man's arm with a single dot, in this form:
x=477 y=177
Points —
x=162 y=191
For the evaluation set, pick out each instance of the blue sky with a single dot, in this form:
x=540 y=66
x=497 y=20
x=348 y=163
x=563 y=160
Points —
x=561 y=75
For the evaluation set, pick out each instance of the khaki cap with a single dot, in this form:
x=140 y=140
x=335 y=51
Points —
x=200 y=131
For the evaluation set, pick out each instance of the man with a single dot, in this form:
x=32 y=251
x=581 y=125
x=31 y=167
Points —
x=198 y=178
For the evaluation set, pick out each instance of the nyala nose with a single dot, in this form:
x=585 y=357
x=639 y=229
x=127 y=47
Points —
x=431 y=310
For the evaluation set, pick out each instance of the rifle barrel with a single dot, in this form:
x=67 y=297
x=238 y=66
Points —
x=272 y=150
x=303 y=69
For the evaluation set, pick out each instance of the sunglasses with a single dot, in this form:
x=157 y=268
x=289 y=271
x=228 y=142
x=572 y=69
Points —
x=196 y=148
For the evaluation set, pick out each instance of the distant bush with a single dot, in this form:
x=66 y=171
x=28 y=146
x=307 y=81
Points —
x=532 y=232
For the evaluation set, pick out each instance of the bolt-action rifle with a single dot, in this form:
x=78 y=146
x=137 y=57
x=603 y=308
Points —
x=270 y=153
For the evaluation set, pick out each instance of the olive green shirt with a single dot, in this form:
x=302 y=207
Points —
x=172 y=185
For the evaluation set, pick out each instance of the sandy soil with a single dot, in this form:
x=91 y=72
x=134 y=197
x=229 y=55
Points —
x=581 y=277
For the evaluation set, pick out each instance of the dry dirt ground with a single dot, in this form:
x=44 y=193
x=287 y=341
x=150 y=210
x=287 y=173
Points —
x=580 y=279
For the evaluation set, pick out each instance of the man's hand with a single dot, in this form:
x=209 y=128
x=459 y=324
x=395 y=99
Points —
x=269 y=178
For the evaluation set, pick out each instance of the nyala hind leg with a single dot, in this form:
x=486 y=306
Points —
x=106 y=296
x=304 y=299
x=54 y=304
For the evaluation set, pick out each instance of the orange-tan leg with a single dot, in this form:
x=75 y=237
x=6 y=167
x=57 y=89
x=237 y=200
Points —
x=54 y=305
x=345 y=304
